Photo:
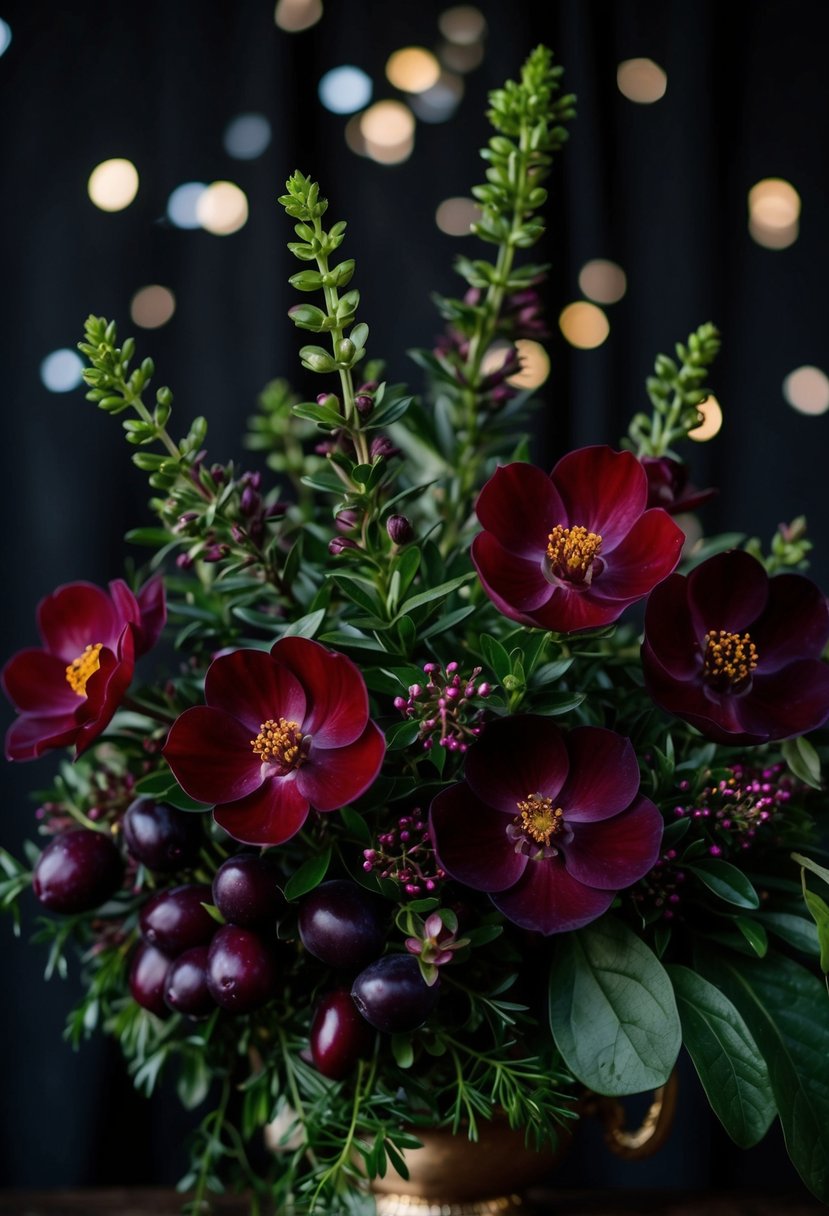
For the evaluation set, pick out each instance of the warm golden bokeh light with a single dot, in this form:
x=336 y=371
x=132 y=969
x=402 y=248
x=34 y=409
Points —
x=584 y=325
x=113 y=184
x=455 y=216
x=711 y=412
x=462 y=24
x=807 y=390
x=152 y=306
x=222 y=208
x=413 y=69
x=387 y=124
x=354 y=137
x=773 y=238
x=602 y=281
x=535 y=365
x=774 y=213
x=293 y=16
x=641 y=80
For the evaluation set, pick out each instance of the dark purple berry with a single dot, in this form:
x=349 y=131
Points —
x=174 y=920
x=342 y=924
x=241 y=972
x=77 y=871
x=246 y=892
x=339 y=1036
x=393 y=996
x=148 y=976
x=185 y=987
x=161 y=837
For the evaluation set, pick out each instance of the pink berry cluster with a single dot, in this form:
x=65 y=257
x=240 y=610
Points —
x=406 y=855
x=442 y=705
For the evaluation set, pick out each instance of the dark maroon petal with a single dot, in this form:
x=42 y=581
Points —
x=572 y=611
x=471 y=841
x=668 y=629
x=126 y=605
x=787 y=703
x=211 y=756
x=105 y=689
x=252 y=688
x=713 y=713
x=270 y=815
x=30 y=736
x=516 y=585
x=794 y=625
x=35 y=682
x=549 y=900
x=728 y=591
x=603 y=777
x=616 y=852
x=520 y=506
x=602 y=490
x=75 y=616
x=337 y=709
x=515 y=757
x=152 y=605
x=643 y=558
x=335 y=776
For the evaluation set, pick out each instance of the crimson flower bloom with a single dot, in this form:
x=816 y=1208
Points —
x=737 y=654
x=67 y=691
x=572 y=550
x=670 y=486
x=280 y=733
x=550 y=825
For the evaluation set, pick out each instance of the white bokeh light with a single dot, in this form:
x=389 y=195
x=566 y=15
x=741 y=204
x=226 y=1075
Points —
x=5 y=36
x=183 y=205
x=345 y=90
x=61 y=371
x=247 y=136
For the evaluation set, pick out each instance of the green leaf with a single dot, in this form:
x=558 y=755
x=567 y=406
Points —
x=153 y=537
x=808 y=864
x=306 y=626
x=496 y=657
x=355 y=824
x=803 y=761
x=796 y=931
x=820 y=914
x=726 y=881
x=402 y=1050
x=309 y=875
x=754 y=934
x=730 y=1067
x=447 y=622
x=442 y=591
x=612 y=1009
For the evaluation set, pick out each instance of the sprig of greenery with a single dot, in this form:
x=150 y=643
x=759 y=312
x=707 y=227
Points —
x=788 y=550
x=676 y=390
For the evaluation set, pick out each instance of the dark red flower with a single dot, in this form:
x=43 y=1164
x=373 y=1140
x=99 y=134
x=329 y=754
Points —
x=670 y=487
x=737 y=654
x=572 y=550
x=67 y=691
x=280 y=733
x=551 y=825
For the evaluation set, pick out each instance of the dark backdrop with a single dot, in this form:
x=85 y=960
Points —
x=661 y=189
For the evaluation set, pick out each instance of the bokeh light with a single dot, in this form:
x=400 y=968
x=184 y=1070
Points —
x=807 y=390
x=388 y=130
x=461 y=58
x=183 y=205
x=62 y=371
x=535 y=365
x=413 y=69
x=602 y=281
x=293 y=16
x=455 y=216
x=354 y=136
x=774 y=213
x=152 y=306
x=441 y=101
x=641 y=80
x=345 y=90
x=584 y=325
x=711 y=412
x=247 y=136
x=463 y=24
x=113 y=184
x=222 y=208
x=5 y=36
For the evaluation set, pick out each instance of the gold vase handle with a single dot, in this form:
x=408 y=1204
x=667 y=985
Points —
x=648 y=1138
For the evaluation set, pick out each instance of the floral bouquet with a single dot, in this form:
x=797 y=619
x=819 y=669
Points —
x=461 y=788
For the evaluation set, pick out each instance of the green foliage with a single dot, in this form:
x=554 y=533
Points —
x=676 y=391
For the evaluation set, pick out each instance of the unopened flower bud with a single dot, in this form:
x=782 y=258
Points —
x=329 y=399
x=383 y=446
x=215 y=553
x=184 y=561
x=338 y=544
x=399 y=530
x=347 y=519
x=250 y=502
x=364 y=404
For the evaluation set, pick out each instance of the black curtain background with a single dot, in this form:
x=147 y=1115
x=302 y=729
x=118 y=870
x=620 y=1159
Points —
x=660 y=189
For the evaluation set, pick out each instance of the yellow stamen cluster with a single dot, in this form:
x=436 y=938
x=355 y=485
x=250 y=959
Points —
x=540 y=819
x=81 y=668
x=571 y=550
x=728 y=657
x=279 y=743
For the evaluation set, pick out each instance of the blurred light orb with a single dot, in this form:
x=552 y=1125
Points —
x=711 y=412
x=807 y=390
x=602 y=281
x=293 y=16
x=113 y=184
x=772 y=237
x=222 y=208
x=153 y=306
x=463 y=24
x=5 y=35
x=387 y=124
x=641 y=80
x=62 y=371
x=354 y=136
x=183 y=205
x=461 y=58
x=455 y=216
x=413 y=69
x=535 y=365
x=441 y=101
x=247 y=136
x=774 y=213
x=345 y=90
x=584 y=325
x=390 y=154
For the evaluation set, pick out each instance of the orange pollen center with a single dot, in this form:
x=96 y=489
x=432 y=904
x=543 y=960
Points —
x=729 y=658
x=572 y=550
x=540 y=819
x=279 y=743
x=81 y=668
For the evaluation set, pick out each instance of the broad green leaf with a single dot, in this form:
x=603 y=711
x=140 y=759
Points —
x=496 y=656
x=309 y=875
x=820 y=914
x=803 y=761
x=730 y=1067
x=612 y=1009
x=797 y=931
x=754 y=934
x=726 y=881
x=808 y=864
x=306 y=626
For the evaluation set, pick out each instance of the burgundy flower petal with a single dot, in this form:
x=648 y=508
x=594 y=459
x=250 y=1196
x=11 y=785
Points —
x=604 y=775
x=335 y=776
x=618 y=851
x=126 y=605
x=728 y=591
x=30 y=735
x=643 y=558
x=669 y=630
x=520 y=506
x=251 y=687
x=792 y=598
x=515 y=757
x=337 y=709
x=602 y=490
x=471 y=841
x=715 y=714
x=152 y=605
x=788 y=702
x=105 y=690
x=35 y=682
x=516 y=585
x=211 y=756
x=75 y=616
x=270 y=815
x=549 y=900
x=572 y=611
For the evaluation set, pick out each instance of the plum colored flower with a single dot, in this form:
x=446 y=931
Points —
x=572 y=550
x=67 y=691
x=550 y=825
x=736 y=653
x=670 y=486
x=281 y=732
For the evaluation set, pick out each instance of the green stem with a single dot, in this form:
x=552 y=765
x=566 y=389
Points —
x=218 y=1119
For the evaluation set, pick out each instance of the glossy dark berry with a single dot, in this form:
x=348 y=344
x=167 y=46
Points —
x=185 y=986
x=175 y=919
x=241 y=972
x=342 y=924
x=246 y=891
x=392 y=995
x=160 y=837
x=339 y=1036
x=148 y=975
x=77 y=871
